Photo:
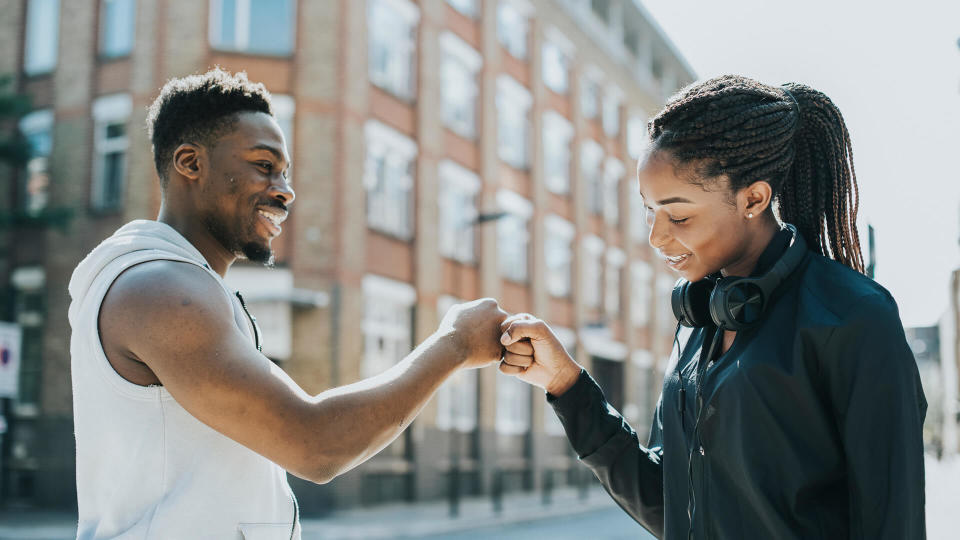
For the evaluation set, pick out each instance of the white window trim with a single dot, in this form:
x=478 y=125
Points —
x=614 y=94
x=591 y=153
x=638 y=270
x=242 y=27
x=616 y=259
x=463 y=178
x=635 y=147
x=593 y=244
x=470 y=12
x=389 y=289
x=558 y=226
x=406 y=9
x=514 y=203
x=461 y=50
x=555 y=37
x=593 y=255
x=558 y=125
x=515 y=92
x=523 y=7
x=112 y=107
x=378 y=132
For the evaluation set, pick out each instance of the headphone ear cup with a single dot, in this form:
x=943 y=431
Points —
x=737 y=303
x=690 y=302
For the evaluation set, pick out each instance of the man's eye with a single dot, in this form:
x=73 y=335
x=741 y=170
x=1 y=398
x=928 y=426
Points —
x=266 y=165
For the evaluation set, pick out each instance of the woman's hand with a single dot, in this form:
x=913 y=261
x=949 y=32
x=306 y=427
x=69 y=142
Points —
x=535 y=355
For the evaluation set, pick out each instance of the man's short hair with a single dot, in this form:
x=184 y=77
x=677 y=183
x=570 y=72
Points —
x=199 y=109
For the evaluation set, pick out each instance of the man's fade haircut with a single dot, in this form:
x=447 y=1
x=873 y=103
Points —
x=198 y=109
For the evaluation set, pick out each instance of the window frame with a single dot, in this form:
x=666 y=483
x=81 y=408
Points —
x=108 y=110
x=559 y=232
x=105 y=27
x=387 y=294
x=38 y=27
x=591 y=285
x=242 y=29
x=557 y=128
x=457 y=53
x=513 y=100
x=457 y=397
x=457 y=242
x=517 y=14
x=409 y=14
x=31 y=124
x=384 y=142
x=519 y=210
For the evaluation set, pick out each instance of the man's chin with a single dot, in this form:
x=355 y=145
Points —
x=258 y=253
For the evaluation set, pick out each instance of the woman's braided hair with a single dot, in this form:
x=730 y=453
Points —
x=793 y=137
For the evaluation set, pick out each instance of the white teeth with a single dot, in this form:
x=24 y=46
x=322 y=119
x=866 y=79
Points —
x=677 y=259
x=275 y=219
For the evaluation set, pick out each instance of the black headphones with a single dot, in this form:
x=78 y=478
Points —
x=734 y=303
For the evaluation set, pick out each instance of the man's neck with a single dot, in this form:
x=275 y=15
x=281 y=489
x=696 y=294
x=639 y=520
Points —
x=218 y=257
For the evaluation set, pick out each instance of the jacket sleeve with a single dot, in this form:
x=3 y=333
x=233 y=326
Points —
x=631 y=473
x=874 y=389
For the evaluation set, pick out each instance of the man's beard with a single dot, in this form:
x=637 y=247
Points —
x=252 y=251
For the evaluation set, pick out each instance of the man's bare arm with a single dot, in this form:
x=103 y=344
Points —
x=177 y=320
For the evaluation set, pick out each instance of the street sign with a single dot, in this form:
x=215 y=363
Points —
x=10 y=337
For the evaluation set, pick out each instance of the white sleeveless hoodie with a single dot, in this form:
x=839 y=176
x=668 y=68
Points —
x=146 y=468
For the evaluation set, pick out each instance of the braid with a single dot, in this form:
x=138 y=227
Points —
x=793 y=137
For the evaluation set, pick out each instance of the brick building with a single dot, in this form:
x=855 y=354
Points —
x=410 y=124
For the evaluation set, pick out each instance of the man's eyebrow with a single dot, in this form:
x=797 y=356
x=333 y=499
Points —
x=273 y=150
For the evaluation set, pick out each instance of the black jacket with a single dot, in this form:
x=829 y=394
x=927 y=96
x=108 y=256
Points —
x=811 y=423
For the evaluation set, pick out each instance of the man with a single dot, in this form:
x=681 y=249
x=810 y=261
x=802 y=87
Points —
x=183 y=428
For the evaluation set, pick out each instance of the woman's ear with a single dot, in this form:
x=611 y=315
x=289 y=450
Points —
x=754 y=199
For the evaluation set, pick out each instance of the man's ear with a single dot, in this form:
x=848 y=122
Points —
x=188 y=161
x=756 y=197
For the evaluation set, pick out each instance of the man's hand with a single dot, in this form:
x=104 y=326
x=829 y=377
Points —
x=535 y=355
x=475 y=330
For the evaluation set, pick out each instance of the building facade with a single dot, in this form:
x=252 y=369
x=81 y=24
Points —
x=442 y=150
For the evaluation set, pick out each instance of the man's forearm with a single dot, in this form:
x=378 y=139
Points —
x=354 y=422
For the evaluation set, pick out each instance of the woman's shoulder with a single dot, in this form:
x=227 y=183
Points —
x=834 y=294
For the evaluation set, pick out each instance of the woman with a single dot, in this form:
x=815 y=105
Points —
x=793 y=408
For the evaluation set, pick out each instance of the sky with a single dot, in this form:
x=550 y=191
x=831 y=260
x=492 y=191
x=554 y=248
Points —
x=893 y=69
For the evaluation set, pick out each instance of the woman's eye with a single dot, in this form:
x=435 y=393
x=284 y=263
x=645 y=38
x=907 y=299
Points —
x=678 y=221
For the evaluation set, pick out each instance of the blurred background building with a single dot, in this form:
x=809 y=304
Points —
x=442 y=150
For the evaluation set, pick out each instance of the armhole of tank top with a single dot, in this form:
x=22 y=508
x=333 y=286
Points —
x=108 y=373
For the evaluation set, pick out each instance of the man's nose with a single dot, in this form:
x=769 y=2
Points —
x=283 y=191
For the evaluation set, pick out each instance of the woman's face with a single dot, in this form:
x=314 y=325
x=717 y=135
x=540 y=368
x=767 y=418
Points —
x=697 y=229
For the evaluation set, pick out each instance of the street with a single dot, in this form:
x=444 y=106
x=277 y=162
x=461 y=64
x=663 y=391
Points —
x=609 y=523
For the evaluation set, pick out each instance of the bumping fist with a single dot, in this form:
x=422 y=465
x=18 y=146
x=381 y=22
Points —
x=535 y=355
x=475 y=329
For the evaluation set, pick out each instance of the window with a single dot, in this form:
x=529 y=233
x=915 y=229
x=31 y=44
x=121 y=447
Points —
x=458 y=74
x=513 y=121
x=392 y=34
x=612 y=173
x=638 y=216
x=640 y=293
x=37 y=128
x=558 y=256
x=117 y=24
x=592 y=263
x=388 y=180
x=513 y=235
x=557 y=134
x=253 y=26
x=637 y=138
x=514 y=400
x=284 y=109
x=42 y=36
x=467 y=7
x=615 y=261
x=513 y=26
x=555 y=68
x=591 y=158
x=387 y=320
x=611 y=111
x=457 y=397
x=601 y=8
x=28 y=284
x=457 y=210
x=110 y=117
x=589 y=94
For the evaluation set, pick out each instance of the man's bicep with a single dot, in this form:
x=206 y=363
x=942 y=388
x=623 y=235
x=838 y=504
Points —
x=180 y=323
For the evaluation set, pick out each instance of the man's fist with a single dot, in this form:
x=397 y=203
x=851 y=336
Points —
x=475 y=330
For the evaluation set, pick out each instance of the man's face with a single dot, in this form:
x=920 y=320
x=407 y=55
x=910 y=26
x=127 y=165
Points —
x=245 y=197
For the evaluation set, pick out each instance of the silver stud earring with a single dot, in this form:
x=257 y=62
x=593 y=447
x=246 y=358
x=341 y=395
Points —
x=750 y=215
